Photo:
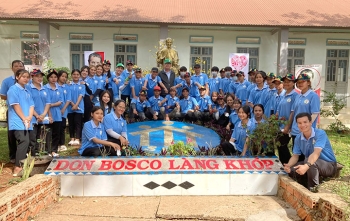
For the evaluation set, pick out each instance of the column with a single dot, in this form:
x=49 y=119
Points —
x=282 y=53
x=163 y=32
x=44 y=41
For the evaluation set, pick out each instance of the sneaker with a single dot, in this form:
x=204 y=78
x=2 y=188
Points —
x=71 y=142
x=54 y=155
x=62 y=148
x=76 y=143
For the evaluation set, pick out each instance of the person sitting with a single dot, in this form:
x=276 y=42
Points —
x=172 y=107
x=94 y=138
x=219 y=114
x=188 y=105
x=157 y=110
x=204 y=103
x=319 y=156
x=139 y=106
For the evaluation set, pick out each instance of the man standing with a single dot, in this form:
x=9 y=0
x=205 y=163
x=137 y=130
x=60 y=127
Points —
x=319 y=156
x=167 y=76
x=5 y=86
x=200 y=77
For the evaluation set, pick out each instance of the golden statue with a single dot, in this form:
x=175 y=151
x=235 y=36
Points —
x=168 y=53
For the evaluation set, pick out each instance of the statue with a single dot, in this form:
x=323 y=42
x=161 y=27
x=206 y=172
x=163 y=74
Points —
x=168 y=53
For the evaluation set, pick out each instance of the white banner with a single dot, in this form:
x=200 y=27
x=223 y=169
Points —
x=239 y=62
x=314 y=71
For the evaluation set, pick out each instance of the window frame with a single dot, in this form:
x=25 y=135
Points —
x=293 y=58
x=125 y=53
x=200 y=56
x=250 y=56
x=81 y=53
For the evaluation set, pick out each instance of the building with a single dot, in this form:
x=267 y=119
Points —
x=276 y=33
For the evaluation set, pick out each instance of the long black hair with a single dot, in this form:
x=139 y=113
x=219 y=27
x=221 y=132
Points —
x=109 y=104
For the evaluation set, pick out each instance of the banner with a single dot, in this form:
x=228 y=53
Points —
x=93 y=57
x=314 y=71
x=239 y=62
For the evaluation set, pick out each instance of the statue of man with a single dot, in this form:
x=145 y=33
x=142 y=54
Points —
x=168 y=53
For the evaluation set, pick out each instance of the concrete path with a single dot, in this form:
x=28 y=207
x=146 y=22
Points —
x=250 y=208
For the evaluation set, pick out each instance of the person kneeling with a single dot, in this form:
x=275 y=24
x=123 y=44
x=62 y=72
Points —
x=188 y=106
x=157 y=102
x=319 y=156
x=139 y=107
x=94 y=137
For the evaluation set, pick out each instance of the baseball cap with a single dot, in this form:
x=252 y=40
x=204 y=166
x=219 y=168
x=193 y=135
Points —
x=185 y=89
x=120 y=65
x=240 y=73
x=271 y=75
x=290 y=77
x=154 y=69
x=220 y=96
x=252 y=71
x=157 y=88
x=129 y=62
x=278 y=78
x=202 y=88
x=167 y=61
x=187 y=75
x=143 y=92
x=106 y=62
x=303 y=77
x=38 y=71
x=138 y=70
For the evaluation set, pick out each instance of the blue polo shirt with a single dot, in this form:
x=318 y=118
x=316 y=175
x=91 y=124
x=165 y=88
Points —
x=6 y=84
x=309 y=103
x=151 y=83
x=90 y=131
x=54 y=96
x=285 y=106
x=224 y=84
x=278 y=99
x=106 y=109
x=41 y=99
x=137 y=84
x=76 y=90
x=249 y=89
x=18 y=95
x=155 y=102
x=111 y=121
x=98 y=84
x=240 y=135
x=177 y=81
x=221 y=109
x=318 y=139
x=214 y=85
x=234 y=119
x=204 y=103
x=187 y=104
x=232 y=87
x=201 y=78
x=125 y=74
x=268 y=100
x=66 y=96
x=140 y=106
x=192 y=88
x=171 y=101
x=109 y=79
x=255 y=95
x=255 y=123
x=115 y=87
x=90 y=82
x=241 y=92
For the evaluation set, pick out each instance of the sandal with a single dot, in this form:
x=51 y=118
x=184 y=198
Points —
x=18 y=174
x=54 y=155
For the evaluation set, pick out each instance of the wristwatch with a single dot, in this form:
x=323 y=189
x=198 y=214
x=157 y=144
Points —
x=309 y=164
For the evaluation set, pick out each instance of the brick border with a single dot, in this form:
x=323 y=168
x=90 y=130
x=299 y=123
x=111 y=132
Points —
x=312 y=206
x=28 y=198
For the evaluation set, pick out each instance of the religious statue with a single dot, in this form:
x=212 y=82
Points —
x=168 y=53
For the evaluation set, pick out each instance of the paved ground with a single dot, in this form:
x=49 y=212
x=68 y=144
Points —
x=250 y=208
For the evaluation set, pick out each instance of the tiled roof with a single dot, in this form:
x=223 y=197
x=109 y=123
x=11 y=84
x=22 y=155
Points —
x=312 y=13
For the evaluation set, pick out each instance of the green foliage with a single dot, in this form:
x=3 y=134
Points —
x=28 y=166
x=337 y=104
x=1 y=167
x=42 y=141
x=180 y=148
x=266 y=133
x=104 y=152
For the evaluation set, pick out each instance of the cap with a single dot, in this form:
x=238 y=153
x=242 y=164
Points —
x=202 y=88
x=187 y=75
x=222 y=70
x=154 y=69
x=271 y=75
x=138 y=70
x=289 y=77
x=38 y=71
x=106 y=62
x=143 y=92
x=157 y=88
x=303 y=77
x=240 y=73
x=129 y=62
x=185 y=89
x=252 y=71
x=167 y=61
x=278 y=78
x=120 y=65
x=220 y=96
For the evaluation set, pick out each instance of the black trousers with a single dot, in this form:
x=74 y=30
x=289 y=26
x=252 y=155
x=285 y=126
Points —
x=283 y=151
x=149 y=115
x=11 y=139
x=62 y=133
x=87 y=108
x=189 y=116
x=301 y=156
x=96 y=151
x=75 y=125
x=126 y=97
x=229 y=150
x=223 y=120
x=35 y=134
x=55 y=130
x=22 y=139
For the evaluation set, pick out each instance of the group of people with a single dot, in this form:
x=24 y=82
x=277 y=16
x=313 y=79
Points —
x=96 y=98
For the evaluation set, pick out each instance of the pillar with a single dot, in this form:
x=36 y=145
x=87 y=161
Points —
x=282 y=53
x=44 y=41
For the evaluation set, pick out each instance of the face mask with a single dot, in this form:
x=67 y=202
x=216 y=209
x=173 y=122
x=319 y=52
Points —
x=234 y=78
x=182 y=74
x=214 y=74
x=228 y=74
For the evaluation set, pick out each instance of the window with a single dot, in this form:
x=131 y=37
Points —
x=202 y=56
x=77 y=54
x=295 y=57
x=253 y=56
x=30 y=53
x=123 y=53
x=337 y=64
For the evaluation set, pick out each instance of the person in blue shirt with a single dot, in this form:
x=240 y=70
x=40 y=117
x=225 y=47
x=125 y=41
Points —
x=180 y=79
x=139 y=107
x=94 y=137
x=41 y=117
x=251 y=74
x=20 y=113
x=108 y=75
x=188 y=106
x=214 y=81
x=233 y=118
x=5 y=86
x=157 y=102
x=151 y=80
x=255 y=94
x=172 y=107
x=238 y=143
x=105 y=102
x=241 y=88
x=279 y=93
x=225 y=82
x=315 y=146
x=234 y=83
x=268 y=96
x=56 y=100
x=284 y=113
x=204 y=104
x=116 y=82
x=125 y=90
x=256 y=119
x=99 y=84
x=115 y=125
x=307 y=101
x=76 y=108
x=136 y=83
x=193 y=87
x=219 y=112
x=200 y=77
x=66 y=96
x=86 y=81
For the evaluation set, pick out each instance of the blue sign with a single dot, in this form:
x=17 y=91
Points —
x=154 y=135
